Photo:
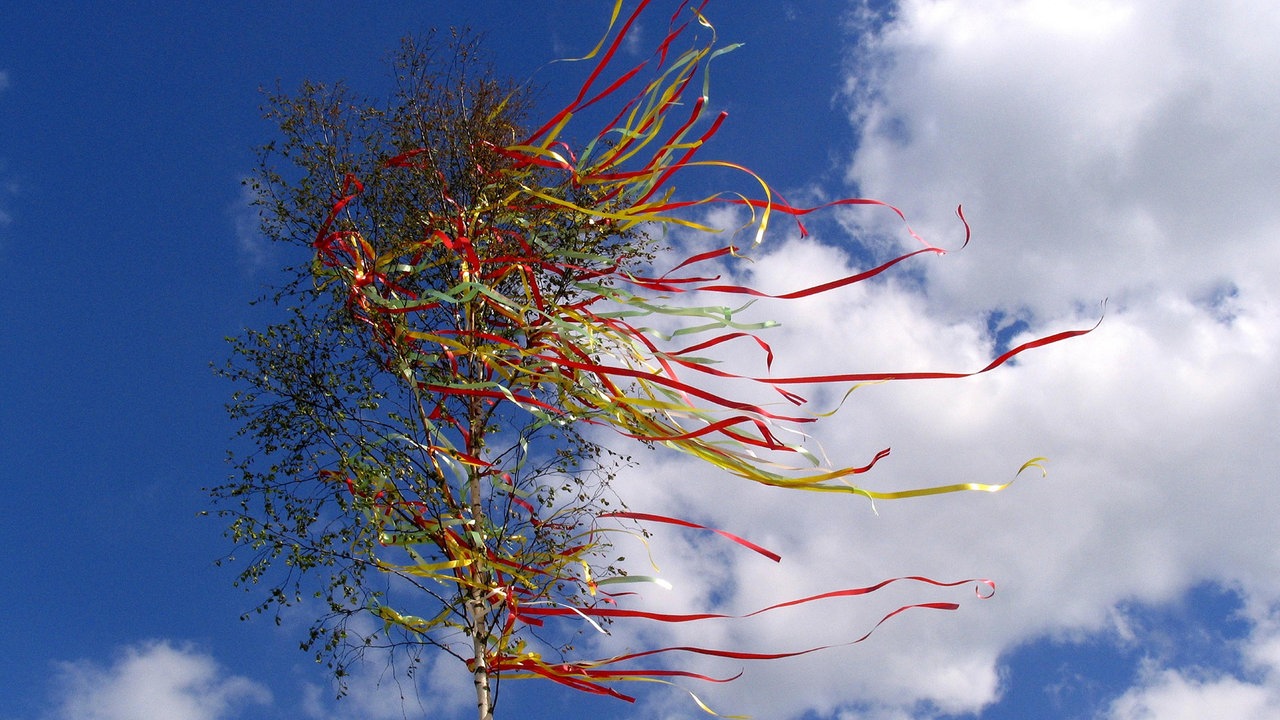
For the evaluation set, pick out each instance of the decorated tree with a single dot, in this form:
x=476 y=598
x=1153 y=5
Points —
x=482 y=298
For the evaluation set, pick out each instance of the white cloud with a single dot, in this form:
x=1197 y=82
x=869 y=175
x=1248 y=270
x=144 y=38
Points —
x=1158 y=429
x=1100 y=148
x=154 y=680
x=382 y=685
x=1121 y=149
x=1174 y=694
x=380 y=690
x=9 y=187
x=253 y=247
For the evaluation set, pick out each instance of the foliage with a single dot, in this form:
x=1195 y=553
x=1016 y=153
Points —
x=318 y=401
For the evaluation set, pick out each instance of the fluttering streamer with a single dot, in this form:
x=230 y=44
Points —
x=588 y=352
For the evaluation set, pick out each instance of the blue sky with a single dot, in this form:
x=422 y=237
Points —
x=1125 y=150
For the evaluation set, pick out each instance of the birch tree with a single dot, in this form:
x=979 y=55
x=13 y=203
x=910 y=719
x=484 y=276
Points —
x=480 y=297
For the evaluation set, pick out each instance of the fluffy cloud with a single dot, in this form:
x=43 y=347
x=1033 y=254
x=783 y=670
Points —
x=253 y=248
x=1138 y=504
x=7 y=186
x=155 y=680
x=1121 y=149
x=380 y=689
x=1100 y=148
x=1175 y=694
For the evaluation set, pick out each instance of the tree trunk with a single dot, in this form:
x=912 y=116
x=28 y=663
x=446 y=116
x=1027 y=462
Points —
x=477 y=607
x=480 y=673
x=478 y=596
